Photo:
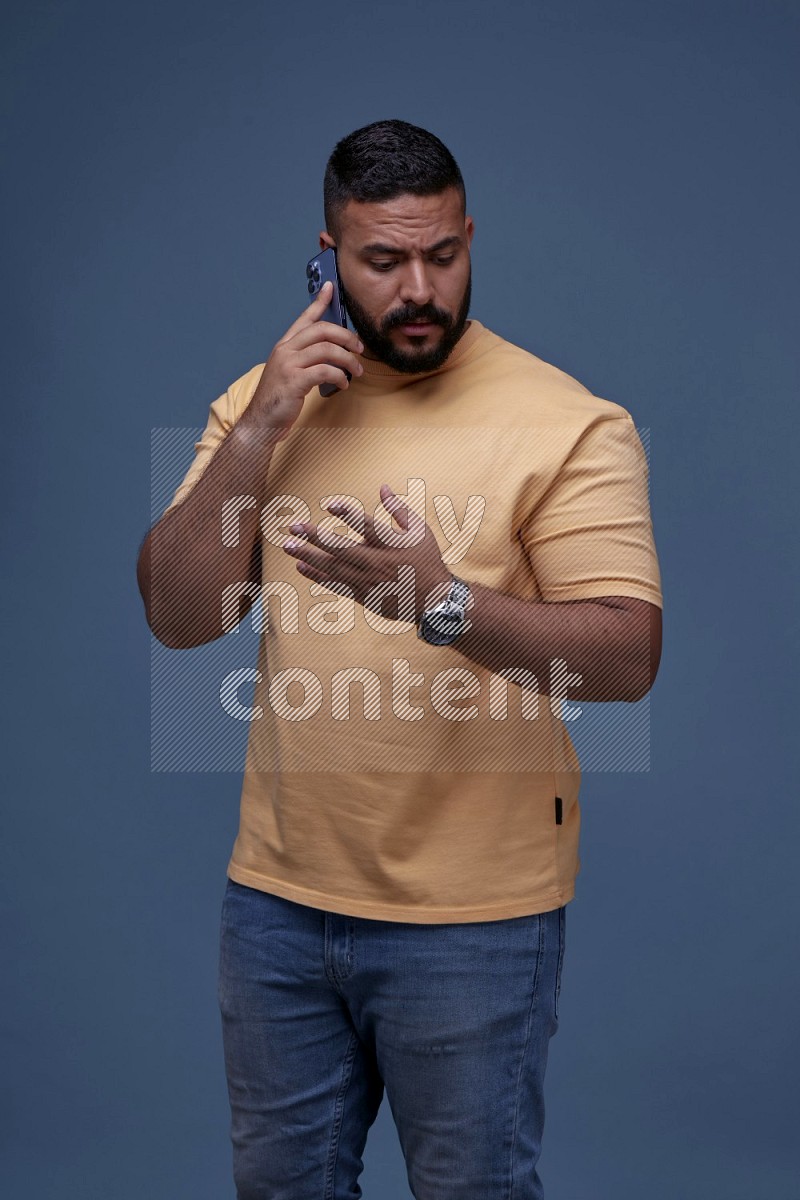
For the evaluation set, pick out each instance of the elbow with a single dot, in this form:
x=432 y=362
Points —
x=168 y=637
x=161 y=631
x=640 y=678
x=180 y=634
x=634 y=695
x=145 y=588
x=168 y=626
x=144 y=580
x=645 y=658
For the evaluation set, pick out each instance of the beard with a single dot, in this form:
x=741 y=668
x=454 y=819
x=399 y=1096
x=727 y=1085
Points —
x=410 y=362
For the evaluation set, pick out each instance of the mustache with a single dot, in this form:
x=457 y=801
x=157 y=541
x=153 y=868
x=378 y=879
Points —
x=411 y=312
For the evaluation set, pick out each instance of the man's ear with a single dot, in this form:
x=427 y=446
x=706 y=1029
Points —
x=469 y=229
x=326 y=242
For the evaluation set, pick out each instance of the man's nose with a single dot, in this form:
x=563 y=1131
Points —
x=415 y=286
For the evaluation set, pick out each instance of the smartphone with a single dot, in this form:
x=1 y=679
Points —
x=319 y=270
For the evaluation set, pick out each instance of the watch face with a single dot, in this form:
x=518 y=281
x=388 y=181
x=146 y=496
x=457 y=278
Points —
x=440 y=628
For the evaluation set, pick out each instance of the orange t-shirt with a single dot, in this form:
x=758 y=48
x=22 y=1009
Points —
x=385 y=777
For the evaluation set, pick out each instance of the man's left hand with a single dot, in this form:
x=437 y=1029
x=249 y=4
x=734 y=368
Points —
x=410 y=558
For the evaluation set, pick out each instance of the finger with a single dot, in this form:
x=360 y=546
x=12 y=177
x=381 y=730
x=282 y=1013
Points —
x=329 y=352
x=356 y=518
x=318 y=559
x=412 y=526
x=401 y=509
x=326 y=539
x=312 y=313
x=394 y=506
x=311 y=573
x=325 y=373
x=333 y=585
x=359 y=519
x=342 y=589
x=320 y=331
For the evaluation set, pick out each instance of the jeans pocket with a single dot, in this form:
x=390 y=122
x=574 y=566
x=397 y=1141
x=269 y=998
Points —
x=562 y=924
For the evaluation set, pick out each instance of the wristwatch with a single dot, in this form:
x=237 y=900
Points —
x=447 y=620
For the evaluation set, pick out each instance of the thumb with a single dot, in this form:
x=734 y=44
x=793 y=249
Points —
x=395 y=506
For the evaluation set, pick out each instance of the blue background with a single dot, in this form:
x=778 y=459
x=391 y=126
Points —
x=632 y=172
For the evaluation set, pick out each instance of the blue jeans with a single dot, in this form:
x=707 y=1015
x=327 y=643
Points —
x=321 y=1011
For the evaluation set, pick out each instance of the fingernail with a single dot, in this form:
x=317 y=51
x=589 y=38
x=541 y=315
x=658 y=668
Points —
x=296 y=528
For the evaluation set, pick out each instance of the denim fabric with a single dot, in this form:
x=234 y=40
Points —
x=321 y=1011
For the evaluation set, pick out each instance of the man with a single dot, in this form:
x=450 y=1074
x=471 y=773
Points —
x=444 y=549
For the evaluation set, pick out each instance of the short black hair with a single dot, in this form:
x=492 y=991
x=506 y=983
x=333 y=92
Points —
x=384 y=160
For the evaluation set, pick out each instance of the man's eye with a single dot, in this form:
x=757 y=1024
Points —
x=443 y=260
x=383 y=266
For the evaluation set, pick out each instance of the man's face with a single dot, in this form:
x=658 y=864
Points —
x=404 y=267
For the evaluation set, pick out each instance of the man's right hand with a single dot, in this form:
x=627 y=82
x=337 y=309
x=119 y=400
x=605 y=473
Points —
x=311 y=352
x=184 y=566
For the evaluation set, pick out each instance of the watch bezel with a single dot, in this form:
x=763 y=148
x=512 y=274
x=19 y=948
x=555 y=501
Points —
x=453 y=612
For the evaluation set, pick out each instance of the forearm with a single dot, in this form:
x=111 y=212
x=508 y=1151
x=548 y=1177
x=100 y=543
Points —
x=185 y=565
x=611 y=643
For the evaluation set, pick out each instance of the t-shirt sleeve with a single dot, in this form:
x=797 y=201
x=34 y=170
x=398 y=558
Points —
x=591 y=533
x=222 y=416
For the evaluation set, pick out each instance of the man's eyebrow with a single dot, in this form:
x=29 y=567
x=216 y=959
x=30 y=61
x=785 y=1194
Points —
x=380 y=248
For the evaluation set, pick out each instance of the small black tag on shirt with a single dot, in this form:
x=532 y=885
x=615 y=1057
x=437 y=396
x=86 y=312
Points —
x=558 y=811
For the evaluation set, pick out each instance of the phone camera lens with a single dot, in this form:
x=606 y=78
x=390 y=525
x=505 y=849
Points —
x=308 y=270
x=312 y=286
